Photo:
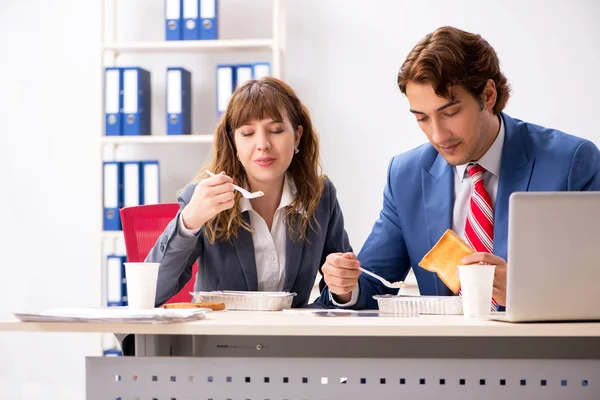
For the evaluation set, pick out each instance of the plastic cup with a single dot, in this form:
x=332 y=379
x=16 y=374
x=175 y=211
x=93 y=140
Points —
x=476 y=282
x=141 y=284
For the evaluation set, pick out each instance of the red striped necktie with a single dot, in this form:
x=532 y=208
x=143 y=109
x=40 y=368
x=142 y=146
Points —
x=479 y=228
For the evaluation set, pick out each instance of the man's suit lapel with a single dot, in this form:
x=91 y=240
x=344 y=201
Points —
x=515 y=175
x=244 y=247
x=438 y=199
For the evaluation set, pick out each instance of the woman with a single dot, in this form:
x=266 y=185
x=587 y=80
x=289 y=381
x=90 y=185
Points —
x=265 y=142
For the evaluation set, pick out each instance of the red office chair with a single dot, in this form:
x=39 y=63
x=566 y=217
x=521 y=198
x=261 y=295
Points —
x=142 y=226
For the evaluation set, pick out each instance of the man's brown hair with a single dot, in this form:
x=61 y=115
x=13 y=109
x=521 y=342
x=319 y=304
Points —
x=451 y=57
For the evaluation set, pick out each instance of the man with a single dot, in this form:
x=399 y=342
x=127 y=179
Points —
x=476 y=158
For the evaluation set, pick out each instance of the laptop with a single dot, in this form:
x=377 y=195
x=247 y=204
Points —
x=553 y=271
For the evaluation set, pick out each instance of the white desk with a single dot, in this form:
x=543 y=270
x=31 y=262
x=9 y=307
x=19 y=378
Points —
x=276 y=356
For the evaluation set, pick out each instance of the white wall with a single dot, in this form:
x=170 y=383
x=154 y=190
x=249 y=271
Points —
x=49 y=125
x=342 y=58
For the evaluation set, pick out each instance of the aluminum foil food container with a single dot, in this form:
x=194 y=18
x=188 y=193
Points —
x=247 y=301
x=415 y=305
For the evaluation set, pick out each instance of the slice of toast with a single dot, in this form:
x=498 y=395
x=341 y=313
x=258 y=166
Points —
x=213 y=306
x=445 y=256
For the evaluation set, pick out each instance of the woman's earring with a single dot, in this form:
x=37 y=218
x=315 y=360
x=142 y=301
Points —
x=296 y=149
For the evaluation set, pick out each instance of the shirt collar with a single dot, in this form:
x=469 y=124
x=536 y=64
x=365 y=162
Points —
x=288 y=195
x=492 y=158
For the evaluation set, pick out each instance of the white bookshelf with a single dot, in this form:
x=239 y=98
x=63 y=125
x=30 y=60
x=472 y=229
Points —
x=111 y=48
x=111 y=235
x=157 y=139
x=190 y=45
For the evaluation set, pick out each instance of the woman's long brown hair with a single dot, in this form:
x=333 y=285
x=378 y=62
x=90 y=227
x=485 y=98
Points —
x=262 y=99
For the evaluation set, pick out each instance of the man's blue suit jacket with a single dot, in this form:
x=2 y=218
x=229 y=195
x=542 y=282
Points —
x=418 y=201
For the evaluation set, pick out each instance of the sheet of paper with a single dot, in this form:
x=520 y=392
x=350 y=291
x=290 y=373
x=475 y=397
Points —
x=114 y=314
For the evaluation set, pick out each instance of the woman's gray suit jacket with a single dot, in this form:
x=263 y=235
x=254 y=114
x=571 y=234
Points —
x=230 y=265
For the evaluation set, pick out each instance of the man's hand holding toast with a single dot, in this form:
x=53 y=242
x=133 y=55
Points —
x=451 y=251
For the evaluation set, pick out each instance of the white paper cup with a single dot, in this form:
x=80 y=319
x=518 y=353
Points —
x=476 y=282
x=141 y=284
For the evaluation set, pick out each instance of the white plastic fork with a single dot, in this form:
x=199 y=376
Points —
x=395 y=285
x=243 y=191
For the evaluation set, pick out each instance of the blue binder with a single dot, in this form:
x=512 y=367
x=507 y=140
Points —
x=226 y=79
x=150 y=182
x=113 y=100
x=136 y=101
x=179 y=98
x=191 y=19
x=243 y=73
x=209 y=19
x=260 y=70
x=116 y=284
x=113 y=195
x=133 y=184
x=173 y=20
